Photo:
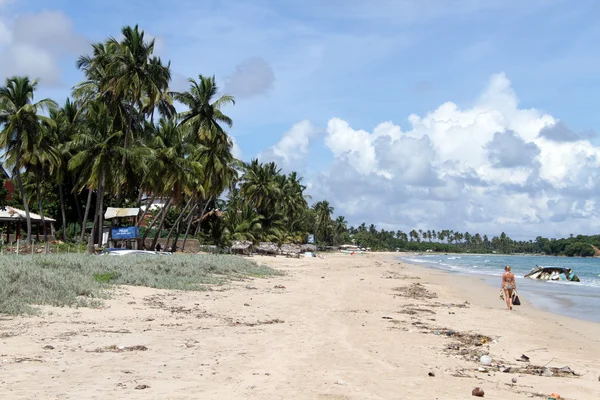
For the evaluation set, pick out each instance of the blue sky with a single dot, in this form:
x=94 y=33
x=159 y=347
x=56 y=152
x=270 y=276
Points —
x=364 y=63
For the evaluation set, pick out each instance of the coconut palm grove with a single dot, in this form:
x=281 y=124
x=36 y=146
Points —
x=120 y=141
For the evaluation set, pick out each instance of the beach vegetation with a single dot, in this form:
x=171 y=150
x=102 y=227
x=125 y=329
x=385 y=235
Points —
x=83 y=280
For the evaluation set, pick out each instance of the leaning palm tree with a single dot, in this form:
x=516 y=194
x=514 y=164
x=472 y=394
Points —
x=21 y=124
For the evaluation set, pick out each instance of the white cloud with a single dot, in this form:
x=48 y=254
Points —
x=33 y=44
x=492 y=167
x=293 y=147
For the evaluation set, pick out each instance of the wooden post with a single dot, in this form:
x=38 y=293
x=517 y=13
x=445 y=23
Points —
x=18 y=231
x=37 y=232
x=8 y=232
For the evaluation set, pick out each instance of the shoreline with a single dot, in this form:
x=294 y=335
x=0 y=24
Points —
x=343 y=327
x=555 y=300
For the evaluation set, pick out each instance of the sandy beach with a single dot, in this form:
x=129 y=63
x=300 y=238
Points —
x=343 y=327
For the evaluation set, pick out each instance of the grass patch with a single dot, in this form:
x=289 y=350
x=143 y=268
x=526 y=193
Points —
x=82 y=280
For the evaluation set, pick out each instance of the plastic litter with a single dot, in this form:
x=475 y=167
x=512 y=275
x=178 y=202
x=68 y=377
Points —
x=485 y=360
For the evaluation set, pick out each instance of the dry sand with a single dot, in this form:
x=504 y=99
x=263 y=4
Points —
x=344 y=327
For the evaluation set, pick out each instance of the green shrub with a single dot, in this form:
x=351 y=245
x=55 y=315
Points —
x=81 y=280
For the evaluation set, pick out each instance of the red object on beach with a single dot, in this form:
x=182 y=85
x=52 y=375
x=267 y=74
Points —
x=352 y=253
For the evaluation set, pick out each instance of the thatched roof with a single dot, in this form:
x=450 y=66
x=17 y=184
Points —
x=290 y=249
x=241 y=245
x=267 y=247
x=308 y=247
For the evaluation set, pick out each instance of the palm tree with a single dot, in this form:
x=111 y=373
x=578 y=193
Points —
x=21 y=126
x=204 y=113
x=259 y=186
x=99 y=150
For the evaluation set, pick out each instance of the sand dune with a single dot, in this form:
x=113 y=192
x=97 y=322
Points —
x=344 y=327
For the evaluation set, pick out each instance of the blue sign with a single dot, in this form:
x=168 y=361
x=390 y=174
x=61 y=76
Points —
x=125 y=232
x=311 y=239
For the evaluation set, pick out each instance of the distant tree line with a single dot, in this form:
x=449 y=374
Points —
x=449 y=241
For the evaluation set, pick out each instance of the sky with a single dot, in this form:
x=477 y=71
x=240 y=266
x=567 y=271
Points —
x=470 y=115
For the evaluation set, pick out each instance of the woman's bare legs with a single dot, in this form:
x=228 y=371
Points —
x=508 y=298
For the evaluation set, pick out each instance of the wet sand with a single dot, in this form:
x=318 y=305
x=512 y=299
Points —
x=344 y=327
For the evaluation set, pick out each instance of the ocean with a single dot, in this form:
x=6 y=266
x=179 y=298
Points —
x=574 y=299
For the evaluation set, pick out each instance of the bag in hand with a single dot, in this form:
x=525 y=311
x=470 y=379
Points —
x=515 y=299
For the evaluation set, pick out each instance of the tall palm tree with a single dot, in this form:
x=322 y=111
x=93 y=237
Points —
x=21 y=123
x=204 y=113
x=100 y=148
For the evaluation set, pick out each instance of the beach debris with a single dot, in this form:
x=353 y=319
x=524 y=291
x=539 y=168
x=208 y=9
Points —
x=340 y=382
x=414 y=311
x=481 y=369
x=387 y=318
x=523 y=358
x=142 y=387
x=279 y=287
x=246 y=305
x=432 y=374
x=267 y=322
x=415 y=291
x=118 y=349
x=485 y=360
x=554 y=396
x=478 y=392
x=27 y=359
x=547 y=372
x=48 y=347
x=250 y=287
x=566 y=370
x=514 y=380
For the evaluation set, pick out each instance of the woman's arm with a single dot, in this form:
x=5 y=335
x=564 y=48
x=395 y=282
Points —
x=502 y=281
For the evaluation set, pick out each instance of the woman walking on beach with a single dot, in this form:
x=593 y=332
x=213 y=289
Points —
x=509 y=285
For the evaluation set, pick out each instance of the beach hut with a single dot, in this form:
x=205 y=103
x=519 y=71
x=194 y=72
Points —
x=241 y=247
x=126 y=233
x=308 y=247
x=14 y=220
x=267 y=248
x=291 y=250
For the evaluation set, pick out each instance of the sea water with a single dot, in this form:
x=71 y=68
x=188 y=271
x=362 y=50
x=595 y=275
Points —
x=574 y=299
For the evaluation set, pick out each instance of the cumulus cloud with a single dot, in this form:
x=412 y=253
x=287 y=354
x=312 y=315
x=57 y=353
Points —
x=33 y=44
x=491 y=167
x=252 y=77
x=293 y=146
x=508 y=150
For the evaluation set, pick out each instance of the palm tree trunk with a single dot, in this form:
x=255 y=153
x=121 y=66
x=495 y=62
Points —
x=23 y=196
x=178 y=219
x=162 y=221
x=146 y=210
x=101 y=209
x=39 y=196
x=62 y=212
x=174 y=246
x=159 y=214
x=199 y=226
x=187 y=231
x=92 y=234
x=77 y=205
x=85 y=215
x=92 y=239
